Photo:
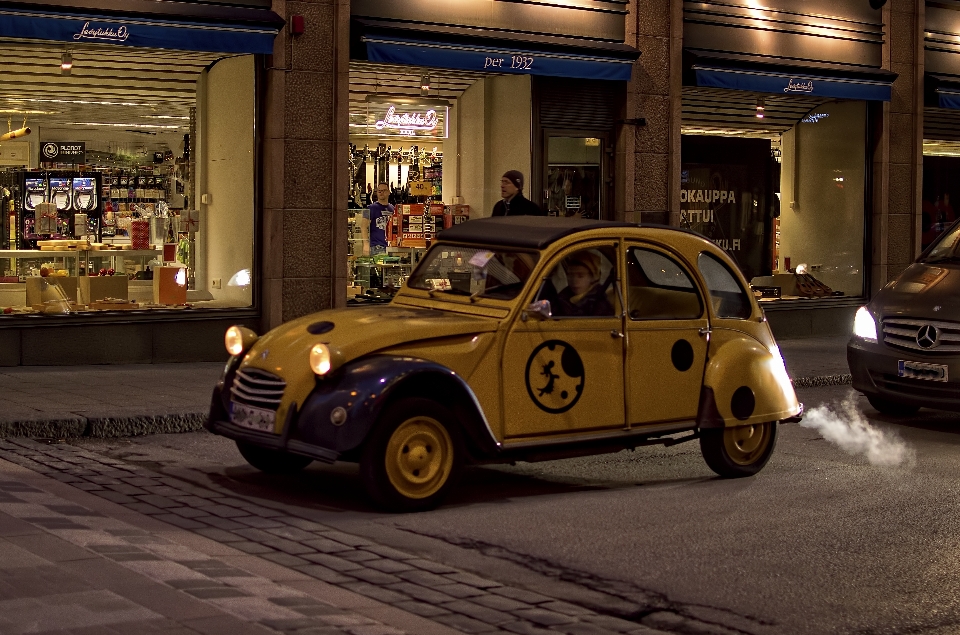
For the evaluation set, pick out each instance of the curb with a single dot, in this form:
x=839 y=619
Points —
x=104 y=427
x=132 y=426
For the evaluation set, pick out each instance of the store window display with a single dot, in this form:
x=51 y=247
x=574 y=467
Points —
x=151 y=208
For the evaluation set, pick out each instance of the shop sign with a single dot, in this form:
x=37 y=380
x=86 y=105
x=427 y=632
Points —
x=799 y=86
x=408 y=123
x=102 y=33
x=63 y=151
x=401 y=120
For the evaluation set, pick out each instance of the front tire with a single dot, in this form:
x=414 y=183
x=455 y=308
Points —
x=891 y=408
x=414 y=456
x=272 y=461
x=740 y=451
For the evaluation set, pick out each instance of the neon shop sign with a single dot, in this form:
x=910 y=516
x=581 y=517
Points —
x=408 y=123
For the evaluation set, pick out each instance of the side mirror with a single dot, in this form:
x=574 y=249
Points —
x=540 y=309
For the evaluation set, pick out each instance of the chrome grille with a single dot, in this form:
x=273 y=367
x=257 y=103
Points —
x=258 y=388
x=903 y=333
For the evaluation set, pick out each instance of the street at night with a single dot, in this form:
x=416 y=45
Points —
x=821 y=541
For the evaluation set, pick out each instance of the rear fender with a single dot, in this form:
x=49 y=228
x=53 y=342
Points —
x=364 y=387
x=745 y=383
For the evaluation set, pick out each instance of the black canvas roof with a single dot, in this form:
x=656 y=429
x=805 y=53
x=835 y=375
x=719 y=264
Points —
x=533 y=232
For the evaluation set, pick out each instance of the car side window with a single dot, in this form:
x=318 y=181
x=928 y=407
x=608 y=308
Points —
x=728 y=297
x=583 y=284
x=659 y=288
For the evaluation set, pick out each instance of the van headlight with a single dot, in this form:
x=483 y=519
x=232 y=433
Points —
x=239 y=339
x=864 y=326
x=320 y=359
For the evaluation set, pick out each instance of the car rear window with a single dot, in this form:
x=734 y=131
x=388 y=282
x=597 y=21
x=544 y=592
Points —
x=727 y=296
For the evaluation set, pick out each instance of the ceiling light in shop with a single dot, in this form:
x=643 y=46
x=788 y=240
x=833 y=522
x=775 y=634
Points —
x=94 y=124
x=379 y=98
x=424 y=85
x=84 y=102
x=760 y=108
x=66 y=63
x=17 y=111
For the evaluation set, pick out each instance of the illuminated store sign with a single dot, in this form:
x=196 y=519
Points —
x=391 y=119
x=102 y=33
x=408 y=123
x=799 y=86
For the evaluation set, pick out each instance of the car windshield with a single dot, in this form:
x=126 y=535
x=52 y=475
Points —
x=472 y=271
x=947 y=248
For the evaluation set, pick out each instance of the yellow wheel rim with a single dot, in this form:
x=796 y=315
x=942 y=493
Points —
x=746 y=444
x=419 y=457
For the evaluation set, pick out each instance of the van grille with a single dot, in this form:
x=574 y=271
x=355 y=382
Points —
x=258 y=388
x=935 y=337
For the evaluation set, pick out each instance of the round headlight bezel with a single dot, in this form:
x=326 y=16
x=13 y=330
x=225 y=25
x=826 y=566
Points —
x=321 y=361
x=238 y=340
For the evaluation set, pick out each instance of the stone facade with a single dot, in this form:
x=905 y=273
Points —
x=305 y=139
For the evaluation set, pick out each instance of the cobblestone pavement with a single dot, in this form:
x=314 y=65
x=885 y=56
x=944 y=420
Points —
x=443 y=595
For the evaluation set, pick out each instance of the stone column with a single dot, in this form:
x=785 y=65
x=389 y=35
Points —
x=898 y=151
x=303 y=162
x=650 y=153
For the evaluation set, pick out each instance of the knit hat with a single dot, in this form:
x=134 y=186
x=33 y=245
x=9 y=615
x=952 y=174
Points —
x=516 y=177
x=586 y=259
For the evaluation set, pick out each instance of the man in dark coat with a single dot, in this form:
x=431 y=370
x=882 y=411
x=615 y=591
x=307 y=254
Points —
x=514 y=203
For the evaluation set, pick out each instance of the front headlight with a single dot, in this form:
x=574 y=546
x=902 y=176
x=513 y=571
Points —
x=239 y=339
x=864 y=326
x=320 y=359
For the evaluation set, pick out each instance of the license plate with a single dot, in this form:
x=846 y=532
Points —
x=920 y=370
x=254 y=418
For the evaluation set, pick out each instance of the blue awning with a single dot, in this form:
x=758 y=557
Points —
x=948 y=99
x=496 y=58
x=146 y=32
x=796 y=84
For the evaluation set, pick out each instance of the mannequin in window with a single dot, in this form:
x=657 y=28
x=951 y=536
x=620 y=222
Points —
x=583 y=295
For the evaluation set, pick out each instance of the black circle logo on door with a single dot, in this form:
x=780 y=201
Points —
x=555 y=376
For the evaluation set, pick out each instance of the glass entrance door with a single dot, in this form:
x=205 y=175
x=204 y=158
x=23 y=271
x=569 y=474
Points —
x=575 y=176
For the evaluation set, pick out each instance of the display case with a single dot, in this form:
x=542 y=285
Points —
x=89 y=279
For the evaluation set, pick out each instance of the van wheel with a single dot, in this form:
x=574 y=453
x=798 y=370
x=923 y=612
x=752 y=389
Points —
x=892 y=408
x=739 y=451
x=413 y=458
x=272 y=461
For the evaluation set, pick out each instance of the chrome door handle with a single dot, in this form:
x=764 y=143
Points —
x=616 y=333
x=704 y=331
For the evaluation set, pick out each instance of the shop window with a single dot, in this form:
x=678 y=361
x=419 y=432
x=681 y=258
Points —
x=659 y=288
x=583 y=284
x=133 y=202
x=728 y=297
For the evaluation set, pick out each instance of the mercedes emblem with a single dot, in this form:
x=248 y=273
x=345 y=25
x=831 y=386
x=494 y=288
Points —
x=928 y=336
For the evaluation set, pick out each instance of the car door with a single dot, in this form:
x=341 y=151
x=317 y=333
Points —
x=565 y=373
x=667 y=336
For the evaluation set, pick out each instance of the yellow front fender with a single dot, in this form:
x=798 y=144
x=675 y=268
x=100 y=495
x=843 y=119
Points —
x=744 y=383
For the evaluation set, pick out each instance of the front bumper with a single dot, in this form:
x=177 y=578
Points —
x=874 y=369
x=219 y=423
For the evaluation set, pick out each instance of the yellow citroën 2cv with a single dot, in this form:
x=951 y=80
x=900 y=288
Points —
x=516 y=339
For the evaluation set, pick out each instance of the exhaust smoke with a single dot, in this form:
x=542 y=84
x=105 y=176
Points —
x=845 y=426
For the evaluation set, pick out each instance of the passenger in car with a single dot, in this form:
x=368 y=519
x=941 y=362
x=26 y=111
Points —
x=583 y=295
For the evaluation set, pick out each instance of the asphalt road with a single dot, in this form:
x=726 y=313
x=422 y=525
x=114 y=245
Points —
x=821 y=541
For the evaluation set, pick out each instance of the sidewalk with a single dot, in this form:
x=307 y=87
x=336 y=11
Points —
x=125 y=400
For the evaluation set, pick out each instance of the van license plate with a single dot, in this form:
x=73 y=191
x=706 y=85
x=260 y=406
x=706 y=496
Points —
x=254 y=418
x=920 y=370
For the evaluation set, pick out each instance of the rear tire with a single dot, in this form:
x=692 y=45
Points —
x=891 y=408
x=414 y=456
x=272 y=461
x=738 y=452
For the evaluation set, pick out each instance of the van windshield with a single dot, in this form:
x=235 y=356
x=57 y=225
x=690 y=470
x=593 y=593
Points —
x=473 y=271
